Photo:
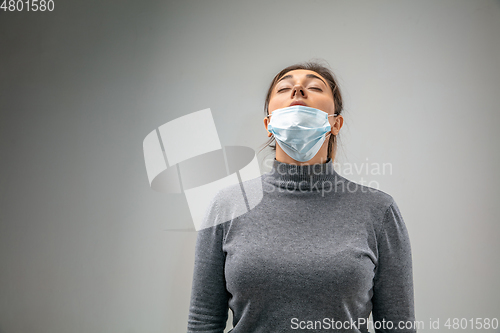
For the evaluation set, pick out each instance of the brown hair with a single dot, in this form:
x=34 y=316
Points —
x=326 y=73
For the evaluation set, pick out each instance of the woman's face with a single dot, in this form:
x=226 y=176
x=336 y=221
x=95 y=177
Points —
x=304 y=86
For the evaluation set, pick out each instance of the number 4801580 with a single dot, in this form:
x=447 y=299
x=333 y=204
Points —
x=473 y=323
x=28 y=5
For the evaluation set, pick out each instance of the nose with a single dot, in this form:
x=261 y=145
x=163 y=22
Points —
x=298 y=90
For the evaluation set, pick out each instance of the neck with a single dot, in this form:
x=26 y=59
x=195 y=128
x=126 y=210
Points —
x=304 y=178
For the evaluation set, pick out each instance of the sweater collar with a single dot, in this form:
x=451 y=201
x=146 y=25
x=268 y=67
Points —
x=303 y=177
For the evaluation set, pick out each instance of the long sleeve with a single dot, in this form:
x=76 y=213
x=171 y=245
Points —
x=393 y=281
x=208 y=310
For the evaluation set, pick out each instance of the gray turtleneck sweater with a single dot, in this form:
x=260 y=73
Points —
x=318 y=253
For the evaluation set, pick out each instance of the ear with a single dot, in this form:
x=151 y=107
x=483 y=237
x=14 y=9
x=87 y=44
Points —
x=266 y=122
x=339 y=121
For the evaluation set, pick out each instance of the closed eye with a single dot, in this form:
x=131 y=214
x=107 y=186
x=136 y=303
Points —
x=316 y=88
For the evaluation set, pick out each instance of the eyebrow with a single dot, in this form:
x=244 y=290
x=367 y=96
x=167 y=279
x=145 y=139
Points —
x=310 y=76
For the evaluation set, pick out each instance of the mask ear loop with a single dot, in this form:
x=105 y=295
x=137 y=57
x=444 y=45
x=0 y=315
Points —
x=329 y=133
x=269 y=115
x=331 y=115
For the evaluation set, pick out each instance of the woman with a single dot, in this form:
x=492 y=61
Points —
x=319 y=252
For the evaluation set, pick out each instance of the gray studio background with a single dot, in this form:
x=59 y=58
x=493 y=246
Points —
x=83 y=245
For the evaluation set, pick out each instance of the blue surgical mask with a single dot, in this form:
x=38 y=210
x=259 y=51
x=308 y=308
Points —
x=300 y=130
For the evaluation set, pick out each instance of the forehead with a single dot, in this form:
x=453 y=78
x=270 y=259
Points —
x=300 y=74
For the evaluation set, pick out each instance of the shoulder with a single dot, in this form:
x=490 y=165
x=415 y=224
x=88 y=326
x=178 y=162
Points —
x=232 y=200
x=364 y=196
x=380 y=205
x=377 y=206
x=232 y=194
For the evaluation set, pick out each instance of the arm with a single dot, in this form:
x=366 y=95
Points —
x=393 y=281
x=209 y=298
